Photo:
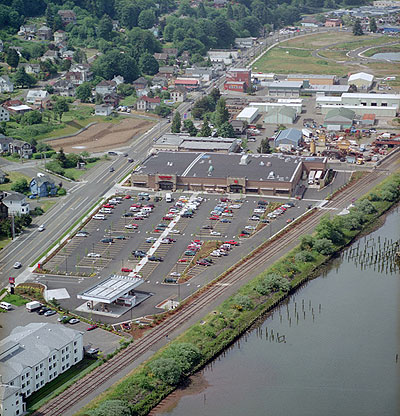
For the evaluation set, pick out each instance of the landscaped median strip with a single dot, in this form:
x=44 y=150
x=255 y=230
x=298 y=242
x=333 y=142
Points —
x=147 y=385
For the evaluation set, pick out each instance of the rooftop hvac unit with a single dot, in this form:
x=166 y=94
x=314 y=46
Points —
x=271 y=175
x=244 y=160
x=262 y=163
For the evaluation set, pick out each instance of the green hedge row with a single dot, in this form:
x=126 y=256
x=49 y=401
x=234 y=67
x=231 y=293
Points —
x=147 y=385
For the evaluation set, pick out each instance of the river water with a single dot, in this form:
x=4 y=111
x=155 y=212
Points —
x=329 y=350
x=387 y=56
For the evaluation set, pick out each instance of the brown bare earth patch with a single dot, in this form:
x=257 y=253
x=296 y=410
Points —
x=103 y=136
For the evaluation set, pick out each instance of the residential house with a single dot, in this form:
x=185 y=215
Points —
x=3 y=214
x=34 y=96
x=178 y=95
x=16 y=107
x=84 y=69
x=67 y=16
x=31 y=68
x=103 y=110
x=62 y=47
x=76 y=78
x=4 y=114
x=5 y=143
x=64 y=88
x=27 y=31
x=184 y=58
x=44 y=33
x=161 y=57
x=144 y=91
x=333 y=22
x=52 y=55
x=111 y=99
x=106 y=87
x=115 y=24
x=16 y=203
x=140 y=83
x=23 y=149
x=5 y=84
x=171 y=52
x=67 y=54
x=204 y=74
x=146 y=103
x=239 y=126
x=159 y=82
x=32 y=356
x=167 y=71
x=43 y=186
x=245 y=42
x=2 y=176
x=119 y=79
x=60 y=36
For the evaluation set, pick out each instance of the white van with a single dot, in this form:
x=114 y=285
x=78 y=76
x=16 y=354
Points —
x=5 y=305
x=99 y=217
x=146 y=210
x=168 y=197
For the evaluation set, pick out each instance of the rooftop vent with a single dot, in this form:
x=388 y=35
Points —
x=170 y=163
x=271 y=175
x=262 y=163
x=210 y=169
x=244 y=160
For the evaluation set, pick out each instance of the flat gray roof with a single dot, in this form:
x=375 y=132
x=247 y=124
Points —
x=284 y=84
x=314 y=76
x=110 y=289
x=214 y=165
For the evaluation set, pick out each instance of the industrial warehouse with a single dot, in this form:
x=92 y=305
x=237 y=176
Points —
x=264 y=174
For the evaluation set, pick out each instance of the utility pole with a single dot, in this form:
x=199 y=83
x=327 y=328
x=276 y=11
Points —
x=12 y=227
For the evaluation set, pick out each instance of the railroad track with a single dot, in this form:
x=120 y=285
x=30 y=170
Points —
x=91 y=382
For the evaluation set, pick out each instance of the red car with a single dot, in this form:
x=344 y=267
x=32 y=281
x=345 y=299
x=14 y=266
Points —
x=157 y=230
x=136 y=205
x=232 y=242
x=138 y=218
x=91 y=327
x=108 y=206
x=243 y=235
x=127 y=197
x=167 y=218
x=203 y=263
x=197 y=242
x=182 y=261
x=126 y=269
x=224 y=199
x=214 y=218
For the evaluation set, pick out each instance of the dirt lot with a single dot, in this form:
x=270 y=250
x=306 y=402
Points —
x=103 y=136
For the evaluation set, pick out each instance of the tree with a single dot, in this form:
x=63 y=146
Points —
x=176 y=123
x=205 y=130
x=79 y=56
x=114 y=63
x=20 y=185
x=264 y=146
x=125 y=90
x=112 y=407
x=372 y=25
x=84 y=92
x=32 y=117
x=185 y=354
x=272 y=283
x=189 y=127
x=215 y=95
x=12 y=58
x=148 y=64
x=357 y=29
x=60 y=107
x=162 y=110
x=104 y=29
x=243 y=302
x=146 y=19
x=221 y=113
x=167 y=370
x=61 y=158
x=229 y=12
x=323 y=246
x=23 y=79
x=329 y=230
x=226 y=130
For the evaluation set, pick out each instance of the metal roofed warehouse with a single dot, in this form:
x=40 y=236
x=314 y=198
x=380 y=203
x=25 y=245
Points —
x=274 y=174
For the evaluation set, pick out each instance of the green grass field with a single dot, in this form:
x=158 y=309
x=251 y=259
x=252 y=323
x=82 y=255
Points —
x=15 y=300
x=295 y=55
x=385 y=49
x=13 y=176
x=77 y=173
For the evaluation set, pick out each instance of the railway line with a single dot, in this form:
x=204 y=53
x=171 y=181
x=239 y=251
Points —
x=94 y=381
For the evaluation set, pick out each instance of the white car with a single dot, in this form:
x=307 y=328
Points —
x=143 y=194
x=234 y=206
x=215 y=233
x=131 y=226
x=73 y=321
x=17 y=265
x=216 y=253
x=99 y=217
x=105 y=211
x=41 y=228
x=249 y=227
x=82 y=234
x=227 y=214
x=259 y=211
x=94 y=255
x=175 y=274
x=174 y=231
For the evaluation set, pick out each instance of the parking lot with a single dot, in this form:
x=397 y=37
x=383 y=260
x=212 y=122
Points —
x=124 y=244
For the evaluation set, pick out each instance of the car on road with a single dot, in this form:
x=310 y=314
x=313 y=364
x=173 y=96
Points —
x=155 y=258
x=126 y=270
x=41 y=228
x=82 y=234
x=130 y=160
x=107 y=240
x=17 y=265
x=113 y=153
x=94 y=255
x=91 y=327
x=112 y=169
x=73 y=321
x=50 y=312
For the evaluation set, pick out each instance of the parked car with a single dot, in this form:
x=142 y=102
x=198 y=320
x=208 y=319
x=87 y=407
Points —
x=94 y=255
x=82 y=234
x=215 y=233
x=50 y=312
x=91 y=327
x=175 y=231
x=143 y=194
x=190 y=253
x=139 y=253
x=182 y=261
x=131 y=226
x=151 y=240
x=226 y=220
x=120 y=237
x=73 y=321
x=207 y=227
x=175 y=274
x=155 y=258
x=42 y=310
x=107 y=240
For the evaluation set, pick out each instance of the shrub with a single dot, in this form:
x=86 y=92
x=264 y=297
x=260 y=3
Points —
x=37 y=211
x=374 y=197
x=55 y=167
x=364 y=206
x=186 y=355
x=167 y=370
x=20 y=185
x=324 y=246
x=329 y=230
x=112 y=407
x=390 y=192
x=273 y=282
x=61 y=192
x=243 y=302
x=304 y=256
x=306 y=242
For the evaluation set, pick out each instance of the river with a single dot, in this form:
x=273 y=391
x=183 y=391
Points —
x=331 y=349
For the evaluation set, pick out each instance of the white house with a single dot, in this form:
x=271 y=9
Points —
x=32 y=356
x=5 y=84
x=16 y=204
x=178 y=95
x=36 y=95
x=4 y=114
x=103 y=110
x=225 y=56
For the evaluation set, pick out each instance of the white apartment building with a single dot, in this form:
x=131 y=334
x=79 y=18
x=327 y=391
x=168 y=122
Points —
x=32 y=356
